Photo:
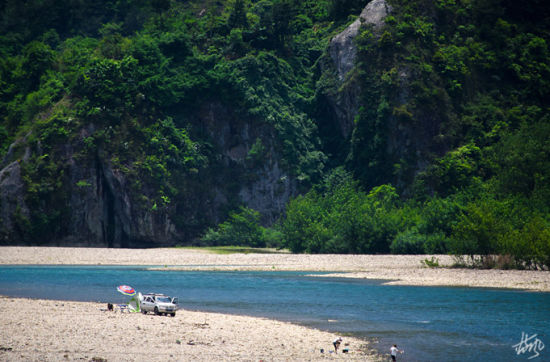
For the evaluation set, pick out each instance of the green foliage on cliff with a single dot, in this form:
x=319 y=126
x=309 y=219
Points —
x=450 y=74
x=449 y=151
x=464 y=88
x=132 y=79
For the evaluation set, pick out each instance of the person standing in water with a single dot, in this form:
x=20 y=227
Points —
x=393 y=352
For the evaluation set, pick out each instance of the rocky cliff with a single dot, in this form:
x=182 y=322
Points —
x=343 y=50
x=102 y=204
x=343 y=54
x=382 y=137
x=95 y=180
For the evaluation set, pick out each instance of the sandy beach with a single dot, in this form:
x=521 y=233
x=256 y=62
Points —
x=48 y=330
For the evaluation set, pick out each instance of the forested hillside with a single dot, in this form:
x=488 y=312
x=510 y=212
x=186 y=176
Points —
x=418 y=127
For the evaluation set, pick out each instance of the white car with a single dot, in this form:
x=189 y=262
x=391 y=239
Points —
x=159 y=304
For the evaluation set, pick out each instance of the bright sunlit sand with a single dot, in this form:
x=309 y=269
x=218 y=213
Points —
x=47 y=330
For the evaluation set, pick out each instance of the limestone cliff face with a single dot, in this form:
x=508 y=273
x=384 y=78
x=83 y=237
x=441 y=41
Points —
x=103 y=212
x=403 y=140
x=12 y=202
x=343 y=53
x=342 y=48
x=106 y=212
x=12 y=191
x=104 y=208
x=257 y=181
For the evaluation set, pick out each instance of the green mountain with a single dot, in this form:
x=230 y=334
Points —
x=340 y=125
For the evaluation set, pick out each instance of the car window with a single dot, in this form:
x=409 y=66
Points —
x=163 y=300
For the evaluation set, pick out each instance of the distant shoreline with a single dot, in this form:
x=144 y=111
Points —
x=396 y=269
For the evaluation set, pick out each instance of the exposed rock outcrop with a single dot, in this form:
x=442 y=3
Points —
x=342 y=47
x=264 y=186
x=343 y=53
x=12 y=203
x=106 y=209
x=101 y=207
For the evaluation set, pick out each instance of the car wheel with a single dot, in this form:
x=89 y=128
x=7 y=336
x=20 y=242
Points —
x=157 y=311
x=143 y=311
x=173 y=314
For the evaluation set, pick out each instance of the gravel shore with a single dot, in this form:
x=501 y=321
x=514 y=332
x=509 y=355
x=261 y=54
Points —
x=48 y=330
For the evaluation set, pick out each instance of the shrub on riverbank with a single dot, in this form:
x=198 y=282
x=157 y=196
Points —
x=342 y=218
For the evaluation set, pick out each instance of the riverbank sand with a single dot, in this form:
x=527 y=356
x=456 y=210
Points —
x=47 y=330
x=396 y=269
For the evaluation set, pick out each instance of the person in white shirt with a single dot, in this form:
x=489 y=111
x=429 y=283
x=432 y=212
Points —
x=393 y=352
x=336 y=344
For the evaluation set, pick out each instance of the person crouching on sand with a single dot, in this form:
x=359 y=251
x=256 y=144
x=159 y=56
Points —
x=336 y=344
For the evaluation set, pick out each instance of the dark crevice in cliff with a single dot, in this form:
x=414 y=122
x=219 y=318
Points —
x=103 y=197
x=112 y=231
x=334 y=141
x=109 y=215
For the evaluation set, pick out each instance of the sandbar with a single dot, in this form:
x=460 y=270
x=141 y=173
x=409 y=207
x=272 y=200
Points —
x=395 y=269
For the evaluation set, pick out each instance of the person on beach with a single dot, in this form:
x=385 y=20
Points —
x=393 y=352
x=336 y=344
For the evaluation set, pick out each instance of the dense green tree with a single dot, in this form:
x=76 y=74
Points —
x=343 y=220
x=523 y=162
x=341 y=9
x=237 y=17
x=241 y=228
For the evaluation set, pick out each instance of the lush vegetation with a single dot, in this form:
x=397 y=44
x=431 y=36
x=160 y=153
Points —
x=242 y=228
x=469 y=82
x=450 y=151
x=119 y=85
